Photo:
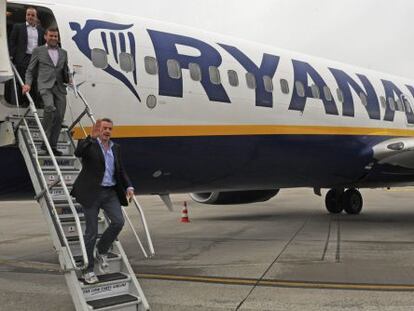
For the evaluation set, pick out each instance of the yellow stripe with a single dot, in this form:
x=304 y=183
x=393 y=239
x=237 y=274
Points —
x=279 y=283
x=232 y=130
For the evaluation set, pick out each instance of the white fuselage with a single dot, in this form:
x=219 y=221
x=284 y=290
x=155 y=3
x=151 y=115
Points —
x=288 y=120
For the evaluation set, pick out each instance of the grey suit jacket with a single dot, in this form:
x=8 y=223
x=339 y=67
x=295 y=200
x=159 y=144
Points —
x=47 y=73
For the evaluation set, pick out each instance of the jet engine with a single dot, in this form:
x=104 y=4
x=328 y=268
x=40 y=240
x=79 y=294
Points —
x=234 y=197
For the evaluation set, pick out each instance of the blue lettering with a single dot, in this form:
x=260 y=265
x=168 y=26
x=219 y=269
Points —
x=408 y=107
x=165 y=45
x=390 y=91
x=267 y=68
x=345 y=82
x=301 y=72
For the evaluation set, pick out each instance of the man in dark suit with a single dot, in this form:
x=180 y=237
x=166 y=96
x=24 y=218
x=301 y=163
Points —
x=102 y=184
x=50 y=64
x=24 y=38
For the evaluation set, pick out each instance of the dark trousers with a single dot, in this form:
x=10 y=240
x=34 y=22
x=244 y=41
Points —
x=107 y=200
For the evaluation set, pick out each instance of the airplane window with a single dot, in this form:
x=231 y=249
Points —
x=233 y=78
x=195 y=71
x=151 y=65
x=363 y=98
x=99 y=58
x=391 y=103
x=284 y=85
x=300 y=89
x=126 y=62
x=250 y=80
x=214 y=75
x=151 y=101
x=340 y=95
x=268 y=83
x=383 y=102
x=406 y=103
x=327 y=93
x=315 y=91
x=174 y=69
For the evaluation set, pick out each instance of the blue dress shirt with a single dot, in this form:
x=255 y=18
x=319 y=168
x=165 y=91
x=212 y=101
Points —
x=109 y=178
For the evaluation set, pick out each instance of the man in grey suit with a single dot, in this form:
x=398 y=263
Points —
x=50 y=63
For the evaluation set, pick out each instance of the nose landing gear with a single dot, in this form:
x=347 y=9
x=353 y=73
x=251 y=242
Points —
x=337 y=200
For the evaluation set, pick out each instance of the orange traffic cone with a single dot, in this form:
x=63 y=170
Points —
x=184 y=213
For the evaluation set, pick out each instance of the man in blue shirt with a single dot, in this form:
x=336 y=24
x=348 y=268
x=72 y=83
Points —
x=102 y=184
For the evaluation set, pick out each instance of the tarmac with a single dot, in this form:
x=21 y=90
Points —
x=284 y=254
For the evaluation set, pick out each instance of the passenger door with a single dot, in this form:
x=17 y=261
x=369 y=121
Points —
x=5 y=69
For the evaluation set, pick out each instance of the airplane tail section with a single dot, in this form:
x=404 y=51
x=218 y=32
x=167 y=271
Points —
x=5 y=69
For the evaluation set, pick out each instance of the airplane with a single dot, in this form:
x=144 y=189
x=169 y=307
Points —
x=227 y=120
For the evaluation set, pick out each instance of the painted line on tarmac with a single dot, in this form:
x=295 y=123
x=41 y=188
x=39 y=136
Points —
x=35 y=266
x=277 y=283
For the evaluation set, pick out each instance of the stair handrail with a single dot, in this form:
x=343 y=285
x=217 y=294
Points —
x=145 y=225
x=60 y=176
x=88 y=111
x=126 y=216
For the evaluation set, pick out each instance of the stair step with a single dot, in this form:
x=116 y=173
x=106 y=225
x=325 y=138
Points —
x=70 y=219
x=64 y=162
x=111 y=256
x=105 y=278
x=63 y=137
x=112 y=301
x=75 y=238
x=65 y=147
x=109 y=284
x=40 y=112
x=62 y=200
x=58 y=194
x=66 y=205
x=69 y=224
x=31 y=121
x=68 y=176
x=67 y=211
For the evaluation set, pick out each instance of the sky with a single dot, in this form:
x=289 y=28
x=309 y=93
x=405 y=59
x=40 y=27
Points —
x=375 y=34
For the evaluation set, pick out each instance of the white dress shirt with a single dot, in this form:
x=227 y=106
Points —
x=32 y=38
x=54 y=54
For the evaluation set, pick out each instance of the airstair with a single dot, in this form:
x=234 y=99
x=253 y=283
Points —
x=52 y=178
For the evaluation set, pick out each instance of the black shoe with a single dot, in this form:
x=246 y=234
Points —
x=57 y=153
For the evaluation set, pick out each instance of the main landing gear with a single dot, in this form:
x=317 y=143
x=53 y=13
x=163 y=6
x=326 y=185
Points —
x=350 y=200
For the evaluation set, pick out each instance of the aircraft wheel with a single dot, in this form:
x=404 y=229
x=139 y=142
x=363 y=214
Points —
x=333 y=201
x=352 y=201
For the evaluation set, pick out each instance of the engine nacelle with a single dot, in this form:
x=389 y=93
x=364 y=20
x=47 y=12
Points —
x=234 y=197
